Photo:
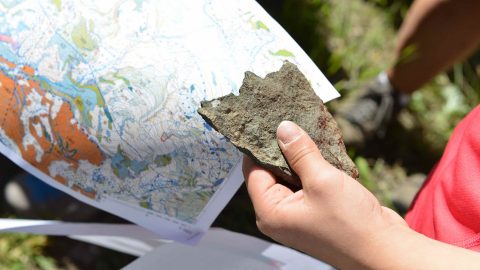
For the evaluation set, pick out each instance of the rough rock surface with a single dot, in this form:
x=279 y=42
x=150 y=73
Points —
x=250 y=120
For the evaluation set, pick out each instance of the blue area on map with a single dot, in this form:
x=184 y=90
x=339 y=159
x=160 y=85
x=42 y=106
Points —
x=117 y=164
x=214 y=79
x=124 y=167
x=6 y=142
x=124 y=120
x=6 y=53
x=22 y=27
x=67 y=86
x=139 y=4
x=97 y=176
x=10 y=3
x=138 y=166
x=216 y=149
x=179 y=182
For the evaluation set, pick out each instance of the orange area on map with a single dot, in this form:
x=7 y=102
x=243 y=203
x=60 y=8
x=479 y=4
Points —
x=90 y=194
x=66 y=143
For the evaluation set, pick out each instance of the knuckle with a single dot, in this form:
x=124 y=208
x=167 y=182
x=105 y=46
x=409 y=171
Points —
x=329 y=180
x=297 y=156
x=332 y=174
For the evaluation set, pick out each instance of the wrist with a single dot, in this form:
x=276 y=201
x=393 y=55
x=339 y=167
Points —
x=388 y=246
x=382 y=245
x=365 y=245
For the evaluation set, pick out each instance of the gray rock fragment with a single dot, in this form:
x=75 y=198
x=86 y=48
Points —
x=250 y=120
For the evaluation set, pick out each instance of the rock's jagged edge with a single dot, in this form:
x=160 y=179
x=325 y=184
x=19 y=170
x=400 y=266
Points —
x=333 y=140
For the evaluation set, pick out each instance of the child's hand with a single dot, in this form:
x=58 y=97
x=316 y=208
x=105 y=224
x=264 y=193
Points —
x=333 y=217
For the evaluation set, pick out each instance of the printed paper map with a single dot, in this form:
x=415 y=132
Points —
x=99 y=99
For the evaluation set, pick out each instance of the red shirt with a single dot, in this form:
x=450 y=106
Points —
x=447 y=207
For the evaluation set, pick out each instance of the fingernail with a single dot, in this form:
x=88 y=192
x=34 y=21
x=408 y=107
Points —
x=288 y=131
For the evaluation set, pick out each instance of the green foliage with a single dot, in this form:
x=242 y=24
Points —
x=23 y=251
x=438 y=108
x=360 y=38
x=351 y=41
x=374 y=176
x=366 y=177
x=304 y=20
x=45 y=263
x=394 y=10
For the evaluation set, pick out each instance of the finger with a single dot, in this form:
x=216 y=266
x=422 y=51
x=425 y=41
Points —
x=263 y=189
x=302 y=154
x=257 y=179
x=248 y=165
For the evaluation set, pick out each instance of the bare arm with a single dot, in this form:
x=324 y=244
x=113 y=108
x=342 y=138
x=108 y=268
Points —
x=434 y=35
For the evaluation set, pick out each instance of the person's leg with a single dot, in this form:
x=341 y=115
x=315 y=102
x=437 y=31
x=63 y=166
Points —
x=434 y=35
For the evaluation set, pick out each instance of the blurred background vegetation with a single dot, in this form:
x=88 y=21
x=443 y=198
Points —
x=351 y=41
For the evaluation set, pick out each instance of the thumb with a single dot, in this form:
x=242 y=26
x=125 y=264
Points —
x=303 y=155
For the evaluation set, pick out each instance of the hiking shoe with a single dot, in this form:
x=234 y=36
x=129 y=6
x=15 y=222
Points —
x=367 y=114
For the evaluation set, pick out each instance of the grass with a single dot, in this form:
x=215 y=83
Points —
x=22 y=251
x=360 y=36
x=351 y=41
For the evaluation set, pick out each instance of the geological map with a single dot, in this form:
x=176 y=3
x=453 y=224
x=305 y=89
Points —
x=99 y=99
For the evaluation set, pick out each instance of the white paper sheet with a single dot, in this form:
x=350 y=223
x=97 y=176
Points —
x=221 y=249
x=218 y=249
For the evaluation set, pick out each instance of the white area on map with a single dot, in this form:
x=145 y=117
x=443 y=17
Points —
x=133 y=74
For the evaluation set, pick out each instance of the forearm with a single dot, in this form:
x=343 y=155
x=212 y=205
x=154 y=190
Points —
x=402 y=248
x=337 y=220
x=434 y=35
